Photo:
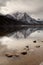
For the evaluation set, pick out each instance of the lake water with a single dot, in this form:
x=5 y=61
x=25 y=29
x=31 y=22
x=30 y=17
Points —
x=18 y=40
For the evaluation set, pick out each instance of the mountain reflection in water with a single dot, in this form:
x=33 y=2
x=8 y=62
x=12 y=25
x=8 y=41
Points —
x=26 y=32
x=22 y=37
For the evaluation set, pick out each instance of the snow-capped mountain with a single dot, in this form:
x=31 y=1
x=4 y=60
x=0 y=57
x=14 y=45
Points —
x=24 y=17
x=9 y=22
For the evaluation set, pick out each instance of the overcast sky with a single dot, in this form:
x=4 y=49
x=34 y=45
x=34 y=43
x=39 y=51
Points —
x=33 y=7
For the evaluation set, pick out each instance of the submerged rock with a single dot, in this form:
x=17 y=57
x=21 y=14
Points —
x=12 y=53
x=41 y=41
x=27 y=48
x=24 y=52
x=38 y=46
x=16 y=55
x=34 y=41
x=9 y=55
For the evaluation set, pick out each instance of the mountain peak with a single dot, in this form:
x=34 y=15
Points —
x=23 y=16
x=19 y=15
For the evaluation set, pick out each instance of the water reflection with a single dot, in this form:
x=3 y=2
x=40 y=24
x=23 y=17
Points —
x=27 y=32
x=18 y=40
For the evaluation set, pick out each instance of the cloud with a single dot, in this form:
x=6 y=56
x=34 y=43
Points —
x=3 y=2
x=34 y=7
x=14 y=6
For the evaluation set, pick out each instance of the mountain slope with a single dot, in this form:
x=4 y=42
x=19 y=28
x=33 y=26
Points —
x=8 y=24
x=24 y=17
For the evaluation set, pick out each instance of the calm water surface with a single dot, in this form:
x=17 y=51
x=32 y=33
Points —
x=17 y=40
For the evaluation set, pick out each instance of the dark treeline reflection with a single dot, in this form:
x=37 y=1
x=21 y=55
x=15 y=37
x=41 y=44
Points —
x=24 y=32
x=6 y=31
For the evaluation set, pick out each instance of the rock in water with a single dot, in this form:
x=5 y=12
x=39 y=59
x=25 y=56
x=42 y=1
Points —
x=34 y=41
x=38 y=46
x=9 y=55
x=16 y=55
x=27 y=47
x=24 y=52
